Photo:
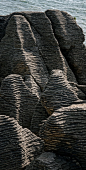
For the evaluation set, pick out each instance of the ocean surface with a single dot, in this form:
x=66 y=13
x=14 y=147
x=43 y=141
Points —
x=77 y=8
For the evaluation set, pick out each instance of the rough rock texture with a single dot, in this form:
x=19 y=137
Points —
x=16 y=100
x=42 y=79
x=58 y=92
x=40 y=114
x=49 y=161
x=73 y=82
x=3 y=20
x=66 y=30
x=18 y=146
x=21 y=51
x=48 y=45
x=70 y=37
x=65 y=132
x=32 y=85
x=30 y=48
x=77 y=61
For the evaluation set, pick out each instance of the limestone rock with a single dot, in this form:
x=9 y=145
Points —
x=42 y=57
x=16 y=100
x=18 y=146
x=65 y=132
x=3 y=20
x=66 y=30
x=79 y=89
x=58 y=92
x=77 y=61
x=73 y=82
x=49 y=161
x=70 y=37
x=32 y=85
x=38 y=117
x=19 y=52
x=47 y=43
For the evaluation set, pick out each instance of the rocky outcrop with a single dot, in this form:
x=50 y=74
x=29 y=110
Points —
x=49 y=161
x=42 y=88
x=3 y=21
x=70 y=37
x=28 y=50
x=58 y=92
x=18 y=146
x=16 y=100
x=23 y=56
x=65 y=132
x=40 y=114
x=66 y=30
x=76 y=59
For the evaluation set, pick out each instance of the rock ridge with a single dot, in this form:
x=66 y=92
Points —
x=42 y=92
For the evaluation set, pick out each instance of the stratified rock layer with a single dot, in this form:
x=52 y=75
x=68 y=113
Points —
x=18 y=146
x=40 y=114
x=58 y=92
x=66 y=30
x=77 y=61
x=65 y=132
x=70 y=37
x=16 y=100
x=19 y=51
x=42 y=57
x=49 y=161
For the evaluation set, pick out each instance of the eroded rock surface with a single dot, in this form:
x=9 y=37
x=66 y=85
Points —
x=77 y=61
x=65 y=132
x=40 y=114
x=16 y=100
x=66 y=30
x=70 y=37
x=18 y=146
x=49 y=161
x=58 y=92
x=19 y=51
x=42 y=79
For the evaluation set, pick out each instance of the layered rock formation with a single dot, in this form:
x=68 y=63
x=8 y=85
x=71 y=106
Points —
x=18 y=146
x=50 y=161
x=16 y=100
x=64 y=132
x=42 y=89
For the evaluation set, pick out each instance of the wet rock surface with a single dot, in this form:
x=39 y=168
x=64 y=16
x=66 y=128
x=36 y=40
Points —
x=42 y=92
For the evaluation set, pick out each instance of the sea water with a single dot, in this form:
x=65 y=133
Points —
x=77 y=8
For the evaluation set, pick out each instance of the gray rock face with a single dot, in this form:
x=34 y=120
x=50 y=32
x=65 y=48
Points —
x=3 y=20
x=66 y=30
x=49 y=161
x=42 y=57
x=65 y=132
x=33 y=86
x=77 y=61
x=16 y=100
x=70 y=37
x=28 y=52
x=40 y=114
x=48 y=45
x=19 y=46
x=58 y=92
x=18 y=146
